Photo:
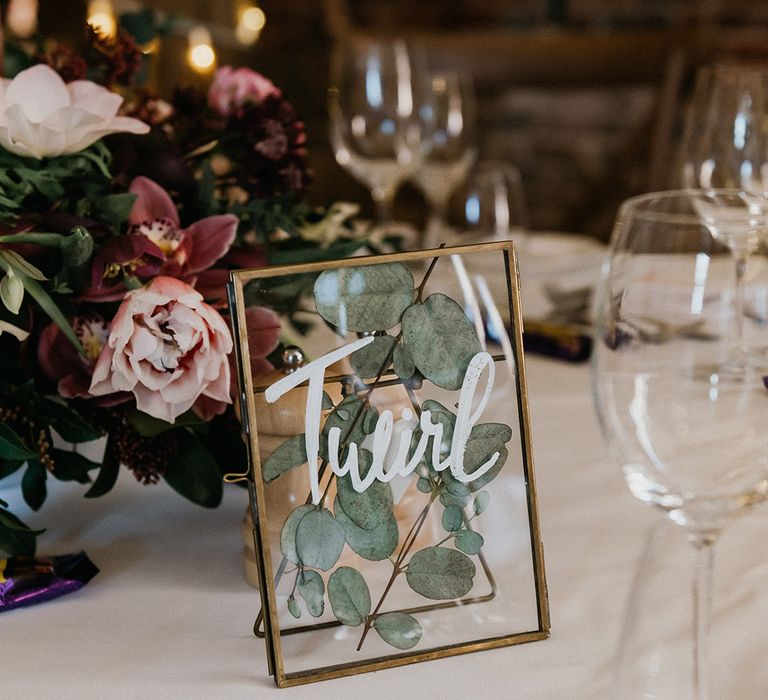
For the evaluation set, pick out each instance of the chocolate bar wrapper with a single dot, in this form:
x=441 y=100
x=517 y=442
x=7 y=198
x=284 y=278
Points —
x=30 y=580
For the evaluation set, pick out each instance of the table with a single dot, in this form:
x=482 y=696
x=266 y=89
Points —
x=170 y=615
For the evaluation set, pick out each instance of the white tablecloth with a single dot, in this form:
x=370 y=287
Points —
x=170 y=616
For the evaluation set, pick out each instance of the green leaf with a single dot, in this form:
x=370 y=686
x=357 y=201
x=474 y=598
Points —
x=453 y=518
x=398 y=629
x=11 y=445
x=8 y=467
x=319 y=539
x=290 y=454
x=327 y=404
x=364 y=298
x=293 y=607
x=441 y=339
x=374 y=358
x=110 y=468
x=449 y=499
x=193 y=473
x=424 y=485
x=312 y=589
x=484 y=440
x=370 y=419
x=67 y=423
x=375 y=544
x=18 y=264
x=370 y=508
x=439 y=573
x=113 y=209
x=349 y=596
x=70 y=466
x=33 y=486
x=342 y=418
x=403 y=361
x=481 y=502
x=469 y=542
x=149 y=426
x=288 y=533
x=16 y=539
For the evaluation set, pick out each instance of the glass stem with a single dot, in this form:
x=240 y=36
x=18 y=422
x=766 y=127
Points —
x=436 y=223
x=740 y=258
x=704 y=552
x=383 y=200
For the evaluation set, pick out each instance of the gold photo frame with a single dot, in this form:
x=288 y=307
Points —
x=390 y=545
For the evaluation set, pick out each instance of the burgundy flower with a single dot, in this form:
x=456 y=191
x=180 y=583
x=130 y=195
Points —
x=234 y=88
x=72 y=371
x=132 y=256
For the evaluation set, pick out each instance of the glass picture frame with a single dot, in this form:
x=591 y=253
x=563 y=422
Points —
x=402 y=524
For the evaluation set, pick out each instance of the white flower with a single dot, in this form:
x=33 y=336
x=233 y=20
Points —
x=42 y=116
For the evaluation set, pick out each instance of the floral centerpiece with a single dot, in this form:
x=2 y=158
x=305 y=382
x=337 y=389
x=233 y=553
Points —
x=121 y=215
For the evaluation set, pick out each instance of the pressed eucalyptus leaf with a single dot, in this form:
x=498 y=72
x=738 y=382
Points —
x=439 y=573
x=289 y=455
x=370 y=419
x=375 y=544
x=293 y=607
x=424 y=485
x=312 y=589
x=481 y=502
x=374 y=358
x=449 y=499
x=402 y=361
x=364 y=298
x=319 y=539
x=344 y=418
x=485 y=440
x=349 y=596
x=453 y=518
x=441 y=339
x=327 y=404
x=370 y=508
x=468 y=541
x=398 y=629
x=288 y=533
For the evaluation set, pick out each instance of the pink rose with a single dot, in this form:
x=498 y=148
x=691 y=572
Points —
x=234 y=88
x=169 y=349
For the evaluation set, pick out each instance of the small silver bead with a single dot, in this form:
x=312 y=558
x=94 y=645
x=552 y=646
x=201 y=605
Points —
x=293 y=358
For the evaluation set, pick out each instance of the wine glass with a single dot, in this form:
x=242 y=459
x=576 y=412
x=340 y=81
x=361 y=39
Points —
x=489 y=205
x=379 y=114
x=453 y=143
x=725 y=145
x=690 y=437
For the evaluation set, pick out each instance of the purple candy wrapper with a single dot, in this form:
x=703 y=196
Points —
x=30 y=580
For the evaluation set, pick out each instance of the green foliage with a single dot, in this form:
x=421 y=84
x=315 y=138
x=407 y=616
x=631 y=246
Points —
x=402 y=359
x=398 y=629
x=364 y=298
x=149 y=426
x=481 y=502
x=114 y=209
x=453 y=518
x=289 y=455
x=349 y=596
x=441 y=340
x=374 y=358
x=293 y=607
x=193 y=473
x=67 y=422
x=107 y=477
x=374 y=544
x=319 y=539
x=288 y=533
x=33 y=486
x=11 y=445
x=439 y=573
x=16 y=538
x=71 y=466
x=370 y=508
x=469 y=541
x=312 y=589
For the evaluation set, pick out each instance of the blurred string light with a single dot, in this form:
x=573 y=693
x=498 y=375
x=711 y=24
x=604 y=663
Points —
x=250 y=21
x=200 y=53
x=21 y=18
x=101 y=16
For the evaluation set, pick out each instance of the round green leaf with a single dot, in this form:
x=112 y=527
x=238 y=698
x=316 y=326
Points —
x=290 y=454
x=312 y=588
x=319 y=539
x=402 y=361
x=469 y=542
x=375 y=544
x=398 y=629
x=453 y=518
x=349 y=596
x=368 y=509
x=441 y=339
x=288 y=533
x=484 y=440
x=364 y=298
x=481 y=502
x=439 y=573
x=424 y=485
x=449 y=499
x=375 y=357
x=293 y=607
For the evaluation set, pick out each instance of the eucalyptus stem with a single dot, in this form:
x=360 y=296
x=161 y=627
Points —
x=397 y=567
